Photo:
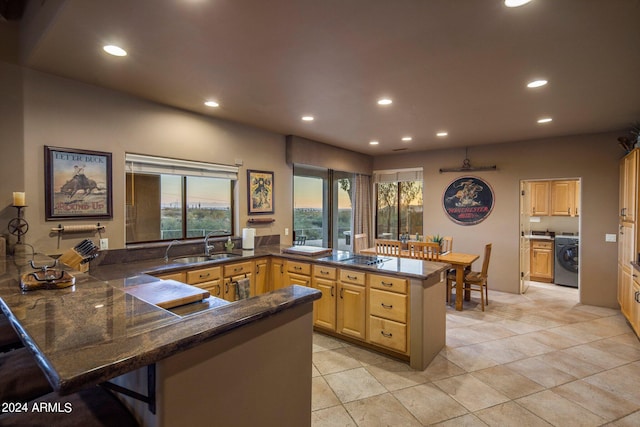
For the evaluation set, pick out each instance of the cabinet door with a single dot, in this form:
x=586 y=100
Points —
x=213 y=286
x=351 y=310
x=277 y=274
x=298 y=279
x=629 y=186
x=324 y=309
x=262 y=277
x=542 y=259
x=539 y=198
x=229 y=290
x=563 y=198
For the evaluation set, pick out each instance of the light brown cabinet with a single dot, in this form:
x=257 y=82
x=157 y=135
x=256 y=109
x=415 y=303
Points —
x=539 y=191
x=179 y=276
x=206 y=278
x=232 y=274
x=277 y=273
x=324 y=309
x=542 y=260
x=351 y=309
x=389 y=312
x=628 y=282
x=298 y=273
x=563 y=198
x=262 y=271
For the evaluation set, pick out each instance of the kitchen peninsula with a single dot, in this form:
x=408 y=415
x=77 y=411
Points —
x=204 y=357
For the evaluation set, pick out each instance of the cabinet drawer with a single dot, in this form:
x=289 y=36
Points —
x=213 y=286
x=388 y=283
x=180 y=276
x=355 y=277
x=388 y=305
x=299 y=267
x=203 y=275
x=238 y=268
x=541 y=244
x=324 y=272
x=388 y=333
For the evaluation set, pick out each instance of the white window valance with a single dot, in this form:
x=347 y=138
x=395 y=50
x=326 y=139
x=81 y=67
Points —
x=140 y=163
x=397 y=175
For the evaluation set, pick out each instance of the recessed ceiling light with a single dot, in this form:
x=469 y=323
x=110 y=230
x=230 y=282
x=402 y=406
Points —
x=373 y=142
x=441 y=134
x=537 y=83
x=307 y=118
x=211 y=104
x=545 y=120
x=406 y=138
x=384 y=101
x=515 y=3
x=114 y=50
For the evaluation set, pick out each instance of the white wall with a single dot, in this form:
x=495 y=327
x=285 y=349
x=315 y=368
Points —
x=594 y=158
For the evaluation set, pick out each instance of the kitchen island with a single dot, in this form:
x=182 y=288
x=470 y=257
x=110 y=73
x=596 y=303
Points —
x=246 y=363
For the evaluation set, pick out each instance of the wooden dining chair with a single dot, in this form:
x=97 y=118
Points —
x=388 y=247
x=474 y=280
x=428 y=251
x=360 y=242
x=447 y=244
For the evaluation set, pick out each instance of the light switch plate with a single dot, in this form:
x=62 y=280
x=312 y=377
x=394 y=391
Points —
x=609 y=237
x=286 y=231
x=104 y=244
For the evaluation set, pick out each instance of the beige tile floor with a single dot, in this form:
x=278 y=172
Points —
x=536 y=359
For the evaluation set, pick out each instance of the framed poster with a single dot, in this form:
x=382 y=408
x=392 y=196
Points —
x=77 y=184
x=468 y=200
x=260 y=192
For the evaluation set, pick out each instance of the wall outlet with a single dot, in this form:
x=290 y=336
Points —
x=609 y=237
x=104 y=244
x=286 y=231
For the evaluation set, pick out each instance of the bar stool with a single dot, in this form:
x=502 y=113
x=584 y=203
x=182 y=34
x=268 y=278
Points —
x=20 y=377
x=94 y=406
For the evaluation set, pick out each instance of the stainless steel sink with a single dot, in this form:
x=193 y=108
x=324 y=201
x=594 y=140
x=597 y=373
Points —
x=192 y=259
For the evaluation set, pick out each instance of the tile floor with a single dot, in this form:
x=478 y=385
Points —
x=536 y=359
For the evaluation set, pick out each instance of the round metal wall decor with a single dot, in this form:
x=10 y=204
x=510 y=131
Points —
x=468 y=200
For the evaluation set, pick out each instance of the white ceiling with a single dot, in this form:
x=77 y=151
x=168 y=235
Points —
x=455 y=65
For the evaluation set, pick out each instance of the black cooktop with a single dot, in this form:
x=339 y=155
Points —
x=348 y=258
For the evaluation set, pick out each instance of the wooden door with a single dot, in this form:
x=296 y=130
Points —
x=542 y=260
x=262 y=276
x=324 y=309
x=277 y=274
x=539 y=198
x=525 y=232
x=351 y=310
x=563 y=198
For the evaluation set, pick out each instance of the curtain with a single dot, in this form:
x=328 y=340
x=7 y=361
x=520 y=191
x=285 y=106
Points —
x=363 y=207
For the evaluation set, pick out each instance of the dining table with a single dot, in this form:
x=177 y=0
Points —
x=459 y=260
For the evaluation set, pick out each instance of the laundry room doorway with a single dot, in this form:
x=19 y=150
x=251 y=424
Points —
x=550 y=232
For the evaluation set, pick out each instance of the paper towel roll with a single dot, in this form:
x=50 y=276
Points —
x=248 y=238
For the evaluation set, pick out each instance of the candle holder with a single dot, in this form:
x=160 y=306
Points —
x=18 y=226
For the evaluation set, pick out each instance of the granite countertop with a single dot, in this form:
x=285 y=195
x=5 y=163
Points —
x=94 y=331
x=412 y=268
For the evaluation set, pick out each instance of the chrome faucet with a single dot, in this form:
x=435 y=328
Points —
x=166 y=253
x=207 y=247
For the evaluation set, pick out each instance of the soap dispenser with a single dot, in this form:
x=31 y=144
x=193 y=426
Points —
x=229 y=245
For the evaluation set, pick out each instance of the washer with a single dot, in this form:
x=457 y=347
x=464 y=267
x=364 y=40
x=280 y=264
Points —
x=566 y=261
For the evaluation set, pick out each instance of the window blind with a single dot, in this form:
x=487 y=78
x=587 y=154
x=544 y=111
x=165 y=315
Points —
x=139 y=163
x=397 y=175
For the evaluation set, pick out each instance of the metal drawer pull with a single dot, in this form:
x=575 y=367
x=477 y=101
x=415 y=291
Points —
x=386 y=306
x=332 y=291
x=219 y=288
x=341 y=292
x=386 y=335
x=636 y=297
x=352 y=277
x=324 y=272
x=387 y=284
x=202 y=276
x=238 y=269
x=295 y=267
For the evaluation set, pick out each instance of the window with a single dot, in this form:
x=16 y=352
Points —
x=169 y=199
x=322 y=209
x=398 y=203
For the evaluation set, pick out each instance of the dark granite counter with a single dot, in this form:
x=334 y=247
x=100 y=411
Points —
x=94 y=331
